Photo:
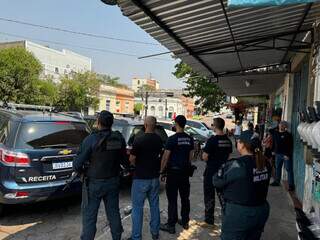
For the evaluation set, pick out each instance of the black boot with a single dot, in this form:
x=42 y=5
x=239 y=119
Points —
x=184 y=225
x=167 y=228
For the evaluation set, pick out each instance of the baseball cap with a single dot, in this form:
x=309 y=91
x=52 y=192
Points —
x=249 y=138
x=284 y=123
x=106 y=118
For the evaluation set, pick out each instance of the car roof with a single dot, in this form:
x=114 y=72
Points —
x=38 y=116
x=128 y=121
x=197 y=121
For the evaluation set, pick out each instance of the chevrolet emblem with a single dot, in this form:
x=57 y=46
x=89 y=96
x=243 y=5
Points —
x=65 y=152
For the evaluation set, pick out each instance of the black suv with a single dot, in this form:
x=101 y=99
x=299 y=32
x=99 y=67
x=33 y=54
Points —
x=36 y=154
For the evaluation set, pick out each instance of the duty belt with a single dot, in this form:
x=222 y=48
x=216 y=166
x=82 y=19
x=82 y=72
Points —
x=245 y=205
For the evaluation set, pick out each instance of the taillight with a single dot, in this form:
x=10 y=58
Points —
x=11 y=158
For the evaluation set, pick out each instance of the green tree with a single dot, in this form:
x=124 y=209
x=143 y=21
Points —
x=78 y=92
x=112 y=81
x=138 y=108
x=19 y=74
x=208 y=95
x=45 y=92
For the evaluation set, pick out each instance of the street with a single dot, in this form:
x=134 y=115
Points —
x=62 y=220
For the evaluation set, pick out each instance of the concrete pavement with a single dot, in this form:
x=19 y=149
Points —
x=61 y=220
x=280 y=226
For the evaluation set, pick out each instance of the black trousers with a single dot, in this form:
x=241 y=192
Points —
x=178 y=183
x=209 y=197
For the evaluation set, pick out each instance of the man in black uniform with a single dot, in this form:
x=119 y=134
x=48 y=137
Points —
x=215 y=153
x=177 y=161
x=99 y=160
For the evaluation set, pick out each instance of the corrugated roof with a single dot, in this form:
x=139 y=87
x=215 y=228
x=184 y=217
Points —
x=216 y=40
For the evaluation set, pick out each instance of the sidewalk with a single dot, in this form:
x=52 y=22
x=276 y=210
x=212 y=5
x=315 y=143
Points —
x=280 y=226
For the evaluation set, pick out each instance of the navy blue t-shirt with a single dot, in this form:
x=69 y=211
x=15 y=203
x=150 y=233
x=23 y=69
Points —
x=218 y=148
x=180 y=145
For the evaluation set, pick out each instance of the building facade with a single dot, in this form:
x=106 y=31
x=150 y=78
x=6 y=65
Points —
x=114 y=99
x=55 y=63
x=137 y=83
x=168 y=103
x=163 y=108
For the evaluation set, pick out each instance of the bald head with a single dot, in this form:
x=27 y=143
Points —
x=150 y=123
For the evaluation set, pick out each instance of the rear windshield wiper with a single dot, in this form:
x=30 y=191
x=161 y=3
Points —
x=53 y=146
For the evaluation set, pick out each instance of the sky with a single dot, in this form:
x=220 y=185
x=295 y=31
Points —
x=90 y=16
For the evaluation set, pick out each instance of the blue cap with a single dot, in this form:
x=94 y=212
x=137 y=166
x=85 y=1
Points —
x=249 y=138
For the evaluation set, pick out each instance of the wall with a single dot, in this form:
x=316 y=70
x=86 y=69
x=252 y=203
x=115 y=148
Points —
x=309 y=203
x=156 y=106
x=12 y=44
x=120 y=100
x=139 y=82
x=126 y=99
x=57 y=63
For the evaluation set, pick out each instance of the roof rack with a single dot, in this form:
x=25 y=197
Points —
x=77 y=115
x=15 y=106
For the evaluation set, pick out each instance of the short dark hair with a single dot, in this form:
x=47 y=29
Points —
x=105 y=118
x=181 y=120
x=250 y=126
x=219 y=123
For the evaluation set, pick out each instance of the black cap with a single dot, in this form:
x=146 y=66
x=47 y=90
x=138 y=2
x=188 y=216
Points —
x=249 y=138
x=106 y=118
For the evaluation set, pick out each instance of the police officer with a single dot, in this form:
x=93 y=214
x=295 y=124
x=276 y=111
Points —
x=177 y=160
x=215 y=153
x=99 y=160
x=245 y=182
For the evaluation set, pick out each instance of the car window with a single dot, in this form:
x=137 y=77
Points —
x=137 y=130
x=194 y=124
x=167 y=126
x=204 y=124
x=38 y=135
x=4 y=129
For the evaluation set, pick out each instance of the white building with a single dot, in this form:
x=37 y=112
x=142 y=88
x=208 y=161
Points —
x=137 y=83
x=157 y=107
x=55 y=63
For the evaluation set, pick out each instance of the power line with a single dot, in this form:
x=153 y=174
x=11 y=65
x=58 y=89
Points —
x=76 y=32
x=78 y=46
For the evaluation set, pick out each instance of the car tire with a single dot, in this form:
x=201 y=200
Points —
x=1 y=210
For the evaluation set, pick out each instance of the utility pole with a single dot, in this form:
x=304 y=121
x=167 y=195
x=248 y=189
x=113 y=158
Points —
x=146 y=105
x=165 y=108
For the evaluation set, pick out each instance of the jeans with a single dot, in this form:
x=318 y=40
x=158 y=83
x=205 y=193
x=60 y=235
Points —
x=288 y=164
x=178 y=183
x=242 y=222
x=209 y=197
x=142 y=189
x=108 y=191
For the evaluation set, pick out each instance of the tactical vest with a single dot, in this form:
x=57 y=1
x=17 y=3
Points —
x=105 y=159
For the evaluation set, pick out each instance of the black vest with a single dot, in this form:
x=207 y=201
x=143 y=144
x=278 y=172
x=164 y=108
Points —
x=105 y=159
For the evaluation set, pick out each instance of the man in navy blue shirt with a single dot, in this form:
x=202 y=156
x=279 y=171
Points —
x=215 y=153
x=177 y=161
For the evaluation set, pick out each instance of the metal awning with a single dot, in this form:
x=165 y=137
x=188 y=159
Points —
x=228 y=43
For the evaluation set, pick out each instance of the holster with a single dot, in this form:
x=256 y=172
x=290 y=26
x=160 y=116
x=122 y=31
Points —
x=85 y=193
x=221 y=199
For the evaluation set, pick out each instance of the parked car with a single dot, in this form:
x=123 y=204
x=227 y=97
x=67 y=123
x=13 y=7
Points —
x=229 y=116
x=168 y=127
x=199 y=141
x=200 y=127
x=129 y=129
x=36 y=154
